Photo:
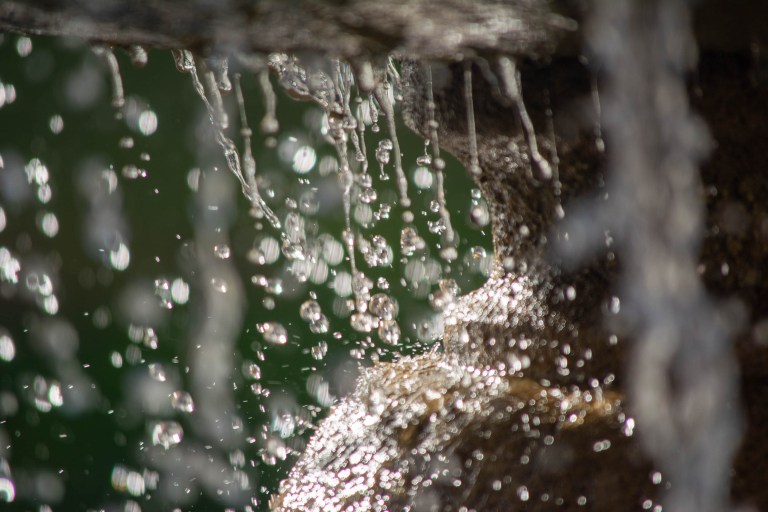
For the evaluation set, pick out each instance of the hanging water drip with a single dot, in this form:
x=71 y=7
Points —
x=184 y=60
x=219 y=66
x=138 y=55
x=448 y=252
x=118 y=95
x=382 y=96
x=213 y=92
x=248 y=181
x=510 y=76
x=474 y=162
x=269 y=124
x=555 y=158
x=595 y=93
x=383 y=154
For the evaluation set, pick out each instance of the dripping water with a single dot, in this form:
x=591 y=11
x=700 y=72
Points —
x=118 y=95
x=474 y=162
x=269 y=123
x=438 y=166
x=510 y=76
x=185 y=61
x=382 y=96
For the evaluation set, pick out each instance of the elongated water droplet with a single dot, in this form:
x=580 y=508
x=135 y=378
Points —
x=474 y=163
x=511 y=78
x=118 y=96
x=448 y=252
x=382 y=96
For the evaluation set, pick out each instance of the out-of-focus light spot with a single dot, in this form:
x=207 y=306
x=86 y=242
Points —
x=147 y=122
x=51 y=305
x=9 y=266
x=179 y=291
x=304 y=159
x=120 y=258
x=49 y=224
x=125 y=480
x=422 y=177
x=56 y=124
x=23 y=46
x=7 y=490
x=7 y=348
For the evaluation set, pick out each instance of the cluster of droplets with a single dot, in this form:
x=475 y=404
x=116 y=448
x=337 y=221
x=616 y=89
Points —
x=353 y=106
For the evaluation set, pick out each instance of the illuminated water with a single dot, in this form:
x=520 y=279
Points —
x=162 y=342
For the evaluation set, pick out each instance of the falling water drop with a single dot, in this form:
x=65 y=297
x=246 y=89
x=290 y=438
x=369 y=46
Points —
x=222 y=251
x=157 y=372
x=274 y=333
x=383 y=306
x=389 y=332
x=167 y=434
x=310 y=311
x=182 y=401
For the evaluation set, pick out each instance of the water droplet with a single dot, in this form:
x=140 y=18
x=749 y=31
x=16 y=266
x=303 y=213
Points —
x=367 y=195
x=182 y=401
x=361 y=322
x=389 y=332
x=167 y=434
x=319 y=326
x=479 y=215
x=410 y=241
x=157 y=372
x=310 y=311
x=383 y=306
x=222 y=251
x=319 y=351
x=384 y=151
x=274 y=333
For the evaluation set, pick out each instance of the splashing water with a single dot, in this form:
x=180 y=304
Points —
x=180 y=318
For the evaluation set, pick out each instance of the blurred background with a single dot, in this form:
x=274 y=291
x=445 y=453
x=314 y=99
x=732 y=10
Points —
x=162 y=345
